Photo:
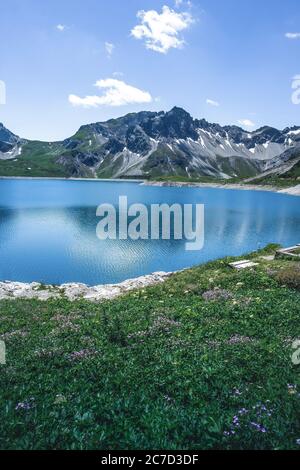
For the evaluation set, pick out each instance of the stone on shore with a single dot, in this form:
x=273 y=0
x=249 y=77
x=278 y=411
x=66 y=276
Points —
x=76 y=291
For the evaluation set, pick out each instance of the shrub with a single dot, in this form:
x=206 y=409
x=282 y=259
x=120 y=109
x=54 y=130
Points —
x=290 y=277
x=217 y=294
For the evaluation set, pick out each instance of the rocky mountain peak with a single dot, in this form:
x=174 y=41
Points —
x=174 y=124
x=151 y=143
x=7 y=136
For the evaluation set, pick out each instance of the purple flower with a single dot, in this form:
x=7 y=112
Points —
x=83 y=354
x=25 y=405
x=235 y=421
x=167 y=398
x=259 y=427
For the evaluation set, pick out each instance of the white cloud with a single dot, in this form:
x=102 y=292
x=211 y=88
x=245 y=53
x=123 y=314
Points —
x=180 y=3
x=212 y=102
x=61 y=27
x=161 y=30
x=118 y=74
x=109 y=47
x=117 y=93
x=246 y=122
x=292 y=35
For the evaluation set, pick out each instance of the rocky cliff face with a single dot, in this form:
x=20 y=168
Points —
x=155 y=144
x=10 y=144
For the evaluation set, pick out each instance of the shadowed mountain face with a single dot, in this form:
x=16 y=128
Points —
x=7 y=136
x=10 y=144
x=155 y=144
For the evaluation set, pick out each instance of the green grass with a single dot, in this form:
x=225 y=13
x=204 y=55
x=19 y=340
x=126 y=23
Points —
x=37 y=160
x=276 y=181
x=200 y=179
x=238 y=166
x=286 y=180
x=162 y=367
x=293 y=172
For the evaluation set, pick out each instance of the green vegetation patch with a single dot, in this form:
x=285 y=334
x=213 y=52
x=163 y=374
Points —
x=202 y=361
x=38 y=159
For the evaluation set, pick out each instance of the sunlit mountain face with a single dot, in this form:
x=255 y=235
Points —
x=150 y=144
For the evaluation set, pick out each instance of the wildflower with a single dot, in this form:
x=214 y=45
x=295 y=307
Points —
x=259 y=427
x=235 y=421
x=298 y=442
x=83 y=354
x=25 y=405
x=292 y=389
x=59 y=399
x=236 y=339
x=167 y=398
x=217 y=294
x=262 y=409
x=13 y=334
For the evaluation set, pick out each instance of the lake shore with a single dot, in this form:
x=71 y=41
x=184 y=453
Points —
x=10 y=290
x=293 y=190
x=56 y=178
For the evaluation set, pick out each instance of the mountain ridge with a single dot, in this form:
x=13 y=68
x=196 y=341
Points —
x=151 y=144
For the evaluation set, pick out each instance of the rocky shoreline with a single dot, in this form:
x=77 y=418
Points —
x=77 y=291
x=293 y=191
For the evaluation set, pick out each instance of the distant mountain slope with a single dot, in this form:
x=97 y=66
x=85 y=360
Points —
x=150 y=144
x=10 y=144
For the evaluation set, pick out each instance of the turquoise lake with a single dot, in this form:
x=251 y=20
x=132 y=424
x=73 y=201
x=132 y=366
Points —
x=48 y=229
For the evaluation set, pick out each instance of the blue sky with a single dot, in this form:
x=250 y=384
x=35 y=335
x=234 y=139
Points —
x=229 y=61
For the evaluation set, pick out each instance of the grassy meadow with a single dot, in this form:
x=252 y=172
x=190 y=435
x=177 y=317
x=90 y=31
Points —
x=202 y=361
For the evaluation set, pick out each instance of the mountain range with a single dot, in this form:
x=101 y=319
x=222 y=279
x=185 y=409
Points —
x=153 y=144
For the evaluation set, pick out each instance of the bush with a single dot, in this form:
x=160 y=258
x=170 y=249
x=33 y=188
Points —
x=217 y=294
x=290 y=277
